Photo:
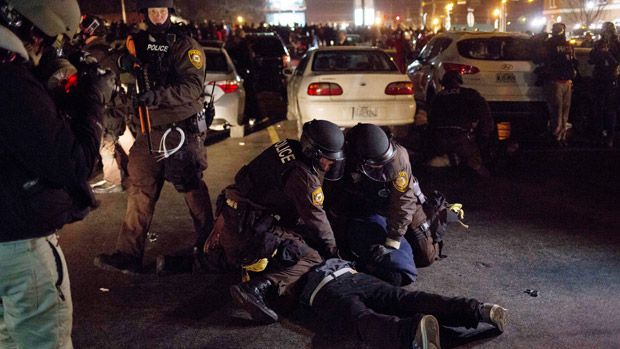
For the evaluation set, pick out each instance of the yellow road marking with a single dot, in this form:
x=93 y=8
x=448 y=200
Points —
x=273 y=134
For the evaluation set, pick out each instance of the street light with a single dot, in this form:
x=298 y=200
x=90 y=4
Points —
x=449 y=7
x=503 y=16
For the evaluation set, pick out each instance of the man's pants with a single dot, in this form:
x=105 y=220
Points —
x=35 y=295
x=559 y=94
x=226 y=247
x=387 y=316
x=146 y=177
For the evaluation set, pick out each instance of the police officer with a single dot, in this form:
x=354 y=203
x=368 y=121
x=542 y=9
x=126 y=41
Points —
x=46 y=159
x=92 y=41
x=460 y=124
x=174 y=67
x=559 y=61
x=605 y=56
x=376 y=204
x=280 y=194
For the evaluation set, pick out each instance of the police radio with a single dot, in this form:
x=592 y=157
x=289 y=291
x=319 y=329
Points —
x=209 y=108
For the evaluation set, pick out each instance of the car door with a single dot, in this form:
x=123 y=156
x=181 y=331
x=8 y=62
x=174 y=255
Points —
x=293 y=86
x=420 y=72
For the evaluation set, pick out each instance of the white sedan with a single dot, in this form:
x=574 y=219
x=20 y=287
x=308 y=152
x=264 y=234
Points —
x=347 y=85
x=226 y=86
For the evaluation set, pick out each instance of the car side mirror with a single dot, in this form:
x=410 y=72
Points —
x=288 y=71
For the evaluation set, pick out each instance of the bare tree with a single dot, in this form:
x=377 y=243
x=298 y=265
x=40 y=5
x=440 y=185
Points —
x=585 y=12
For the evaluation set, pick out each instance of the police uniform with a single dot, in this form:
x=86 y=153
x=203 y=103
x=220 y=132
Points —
x=175 y=68
x=280 y=183
x=366 y=212
x=460 y=123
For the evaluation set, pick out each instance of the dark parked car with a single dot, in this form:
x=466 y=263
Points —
x=260 y=59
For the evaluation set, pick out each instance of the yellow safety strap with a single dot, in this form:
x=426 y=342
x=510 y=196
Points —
x=255 y=267
x=460 y=213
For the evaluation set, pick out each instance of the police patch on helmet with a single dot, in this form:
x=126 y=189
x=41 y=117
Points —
x=196 y=58
x=318 y=197
x=401 y=182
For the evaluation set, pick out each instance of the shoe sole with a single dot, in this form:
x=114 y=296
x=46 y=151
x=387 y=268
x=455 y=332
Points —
x=105 y=266
x=429 y=330
x=499 y=317
x=243 y=301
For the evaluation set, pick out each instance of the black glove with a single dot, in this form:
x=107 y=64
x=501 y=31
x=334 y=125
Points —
x=126 y=62
x=377 y=252
x=148 y=98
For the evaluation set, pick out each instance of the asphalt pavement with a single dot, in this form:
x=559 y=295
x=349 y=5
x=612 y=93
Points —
x=547 y=223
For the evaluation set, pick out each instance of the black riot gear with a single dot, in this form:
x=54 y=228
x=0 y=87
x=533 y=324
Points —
x=143 y=5
x=324 y=139
x=372 y=151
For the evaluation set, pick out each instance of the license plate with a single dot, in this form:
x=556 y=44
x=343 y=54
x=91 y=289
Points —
x=508 y=78
x=365 y=113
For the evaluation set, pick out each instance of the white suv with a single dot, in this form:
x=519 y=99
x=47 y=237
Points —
x=498 y=65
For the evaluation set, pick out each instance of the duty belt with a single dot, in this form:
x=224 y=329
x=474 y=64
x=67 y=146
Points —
x=328 y=278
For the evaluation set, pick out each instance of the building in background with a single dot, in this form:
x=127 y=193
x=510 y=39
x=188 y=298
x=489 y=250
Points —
x=286 y=12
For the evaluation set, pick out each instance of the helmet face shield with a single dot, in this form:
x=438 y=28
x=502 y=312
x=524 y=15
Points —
x=336 y=167
x=383 y=169
x=336 y=170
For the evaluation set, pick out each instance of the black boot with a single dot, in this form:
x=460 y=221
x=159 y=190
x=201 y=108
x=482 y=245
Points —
x=251 y=296
x=119 y=261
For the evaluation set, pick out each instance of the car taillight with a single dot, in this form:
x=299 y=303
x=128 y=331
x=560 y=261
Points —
x=399 y=88
x=461 y=68
x=324 y=89
x=228 y=86
x=286 y=61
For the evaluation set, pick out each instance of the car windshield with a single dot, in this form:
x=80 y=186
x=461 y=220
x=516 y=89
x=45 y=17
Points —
x=267 y=46
x=497 y=49
x=216 y=61
x=352 y=61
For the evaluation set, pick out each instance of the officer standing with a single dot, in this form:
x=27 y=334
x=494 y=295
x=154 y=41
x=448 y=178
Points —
x=376 y=204
x=92 y=36
x=174 y=67
x=605 y=56
x=48 y=151
x=460 y=124
x=559 y=61
x=280 y=194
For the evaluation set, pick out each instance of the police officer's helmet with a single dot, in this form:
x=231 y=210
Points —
x=52 y=18
x=558 y=29
x=451 y=77
x=144 y=5
x=608 y=27
x=372 y=151
x=324 y=139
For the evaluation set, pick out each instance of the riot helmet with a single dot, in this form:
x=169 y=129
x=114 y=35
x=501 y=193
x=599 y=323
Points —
x=372 y=152
x=52 y=18
x=144 y=5
x=324 y=139
x=39 y=24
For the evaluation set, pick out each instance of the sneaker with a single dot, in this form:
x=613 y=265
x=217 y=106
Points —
x=105 y=187
x=427 y=334
x=119 y=261
x=251 y=297
x=495 y=315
